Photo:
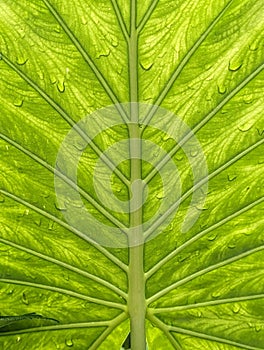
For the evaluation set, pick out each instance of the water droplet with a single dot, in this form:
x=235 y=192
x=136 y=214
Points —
x=183 y=257
x=80 y=145
x=216 y=294
x=61 y=86
x=260 y=132
x=146 y=65
x=10 y=292
x=212 y=237
x=51 y=225
x=53 y=79
x=160 y=195
x=18 y=102
x=179 y=157
x=208 y=66
x=234 y=65
x=258 y=328
x=253 y=46
x=231 y=177
x=2 y=198
x=60 y=206
x=103 y=54
x=25 y=299
x=199 y=314
x=221 y=88
x=69 y=342
x=248 y=99
x=167 y=137
x=194 y=153
x=21 y=61
x=26 y=212
x=246 y=126
x=232 y=244
x=236 y=308
x=18 y=339
x=38 y=222
x=114 y=42
x=57 y=29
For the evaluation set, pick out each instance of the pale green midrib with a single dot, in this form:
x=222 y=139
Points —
x=78 y=233
x=204 y=121
x=147 y=16
x=136 y=283
x=203 y=272
x=85 y=195
x=115 y=323
x=198 y=185
x=200 y=235
x=155 y=320
x=68 y=119
x=207 y=303
x=181 y=66
x=211 y=338
x=120 y=20
x=64 y=291
x=68 y=267
x=88 y=60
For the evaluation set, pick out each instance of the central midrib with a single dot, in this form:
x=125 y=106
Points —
x=136 y=290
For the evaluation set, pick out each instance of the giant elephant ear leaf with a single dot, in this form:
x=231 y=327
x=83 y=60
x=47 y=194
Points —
x=185 y=76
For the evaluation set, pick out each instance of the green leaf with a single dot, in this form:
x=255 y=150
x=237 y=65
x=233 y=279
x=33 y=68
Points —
x=131 y=174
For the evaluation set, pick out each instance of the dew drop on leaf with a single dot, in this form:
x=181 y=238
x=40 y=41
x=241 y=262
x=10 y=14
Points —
x=38 y=222
x=103 y=54
x=146 y=66
x=208 y=66
x=114 y=43
x=248 y=99
x=69 y=342
x=25 y=299
x=212 y=237
x=216 y=294
x=253 y=46
x=246 y=126
x=51 y=225
x=26 y=212
x=231 y=177
x=194 y=153
x=221 y=88
x=53 y=79
x=18 y=339
x=236 y=308
x=2 y=199
x=21 y=61
x=57 y=29
x=18 y=102
x=61 y=86
x=234 y=65
x=60 y=206
x=232 y=244
x=258 y=328
x=199 y=314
